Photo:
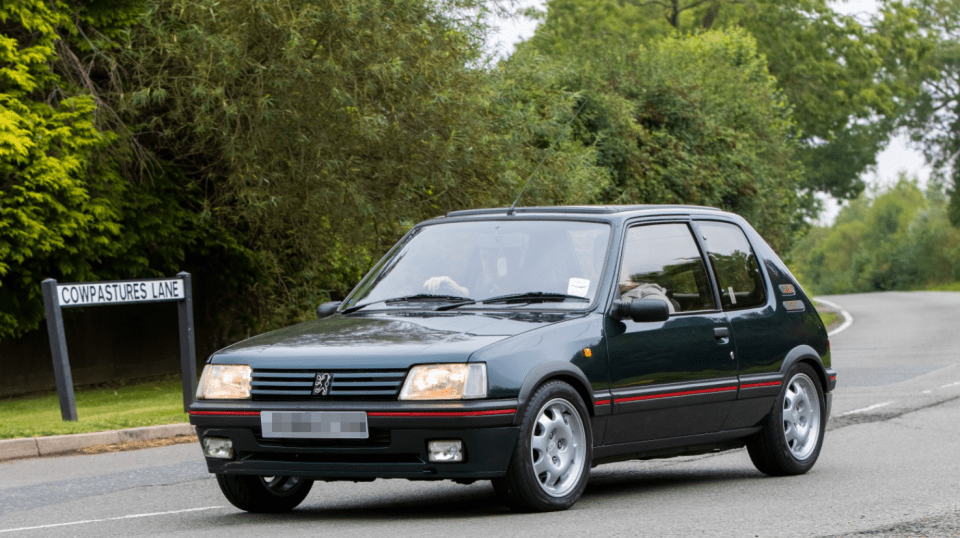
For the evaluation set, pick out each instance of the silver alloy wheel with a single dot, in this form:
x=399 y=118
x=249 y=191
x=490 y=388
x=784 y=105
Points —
x=558 y=447
x=280 y=485
x=801 y=416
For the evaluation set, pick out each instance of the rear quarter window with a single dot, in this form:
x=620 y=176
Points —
x=735 y=265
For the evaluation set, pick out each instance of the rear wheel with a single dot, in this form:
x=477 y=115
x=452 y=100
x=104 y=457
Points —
x=551 y=462
x=793 y=433
x=268 y=494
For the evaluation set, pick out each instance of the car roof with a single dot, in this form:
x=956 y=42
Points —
x=611 y=211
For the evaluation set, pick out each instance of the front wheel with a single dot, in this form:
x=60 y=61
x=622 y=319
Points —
x=551 y=463
x=264 y=494
x=793 y=433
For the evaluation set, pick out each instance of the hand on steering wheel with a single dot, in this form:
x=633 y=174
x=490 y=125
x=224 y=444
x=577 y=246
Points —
x=445 y=285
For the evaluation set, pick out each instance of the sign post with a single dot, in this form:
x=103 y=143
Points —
x=58 y=348
x=188 y=348
x=58 y=296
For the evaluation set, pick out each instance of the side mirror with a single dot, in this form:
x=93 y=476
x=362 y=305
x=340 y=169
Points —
x=327 y=309
x=641 y=310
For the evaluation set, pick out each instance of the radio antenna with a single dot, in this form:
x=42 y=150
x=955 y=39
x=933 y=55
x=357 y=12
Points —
x=512 y=208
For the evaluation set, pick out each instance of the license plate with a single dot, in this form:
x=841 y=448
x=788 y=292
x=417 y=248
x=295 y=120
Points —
x=314 y=424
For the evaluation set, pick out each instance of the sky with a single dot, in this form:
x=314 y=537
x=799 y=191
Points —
x=897 y=157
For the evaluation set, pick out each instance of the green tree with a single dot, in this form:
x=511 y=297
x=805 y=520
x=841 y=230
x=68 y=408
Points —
x=80 y=198
x=934 y=121
x=688 y=120
x=317 y=131
x=847 y=80
x=277 y=150
x=898 y=239
x=60 y=197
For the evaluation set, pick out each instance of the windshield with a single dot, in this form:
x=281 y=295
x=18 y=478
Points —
x=483 y=260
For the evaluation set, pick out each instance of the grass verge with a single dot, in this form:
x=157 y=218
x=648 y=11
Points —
x=947 y=287
x=129 y=406
x=831 y=318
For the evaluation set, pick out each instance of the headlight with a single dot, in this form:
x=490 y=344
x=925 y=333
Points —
x=445 y=382
x=226 y=381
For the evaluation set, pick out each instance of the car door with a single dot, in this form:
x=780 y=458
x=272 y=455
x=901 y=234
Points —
x=763 y=333
x=676 y=377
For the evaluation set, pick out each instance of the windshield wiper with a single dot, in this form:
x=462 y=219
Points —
x=451 y=306
x=533 y=296
x=418 y=297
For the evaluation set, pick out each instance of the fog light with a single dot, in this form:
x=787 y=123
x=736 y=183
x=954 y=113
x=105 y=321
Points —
x=445 y=451
x=218 y=447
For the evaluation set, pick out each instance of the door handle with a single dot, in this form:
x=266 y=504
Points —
x=722 y=334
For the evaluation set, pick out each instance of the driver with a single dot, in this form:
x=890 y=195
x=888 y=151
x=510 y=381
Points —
x=493 y=280
x=631 y=290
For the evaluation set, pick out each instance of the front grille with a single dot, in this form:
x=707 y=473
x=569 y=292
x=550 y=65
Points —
x=276 y=385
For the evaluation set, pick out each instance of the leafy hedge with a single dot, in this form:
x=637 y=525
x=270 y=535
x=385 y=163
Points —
x=60 y=197
x=277 y=149
x=899 y=239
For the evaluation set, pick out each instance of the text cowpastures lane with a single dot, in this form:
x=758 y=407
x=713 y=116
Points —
x=119 y=292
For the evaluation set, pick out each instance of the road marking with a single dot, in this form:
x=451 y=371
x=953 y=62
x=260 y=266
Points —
x=847 y=318
x=132 y=516
x=865 y=409
x=951 y=385
x=927 y=391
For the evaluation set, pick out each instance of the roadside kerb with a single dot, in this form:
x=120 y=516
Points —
x=33 y=447
x=847 y=318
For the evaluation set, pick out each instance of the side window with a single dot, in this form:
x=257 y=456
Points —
x=662 y=261
x=735 y=265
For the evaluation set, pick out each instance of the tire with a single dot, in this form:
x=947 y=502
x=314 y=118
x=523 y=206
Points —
x=550 y=465
x=792 y=435
x=264 y=494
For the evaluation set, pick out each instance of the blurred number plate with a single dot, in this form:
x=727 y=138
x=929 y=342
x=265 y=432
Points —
x=314 y=424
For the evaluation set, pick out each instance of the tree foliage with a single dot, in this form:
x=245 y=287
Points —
x=277 y=149
x=693 y=120
x=897 y=240
x=60 y=199
x=839 y=74
x=72 y=205
x=321 y=131
x=934 y=120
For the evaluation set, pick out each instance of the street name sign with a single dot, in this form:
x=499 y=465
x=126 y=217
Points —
x=59 y=296
x=124 y=292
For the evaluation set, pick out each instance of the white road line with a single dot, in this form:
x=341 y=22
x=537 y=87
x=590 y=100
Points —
x=871 y=408
x=847 y=318
x=950 y=385
x=132 y=516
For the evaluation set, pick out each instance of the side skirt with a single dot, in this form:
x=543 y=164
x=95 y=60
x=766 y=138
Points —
x=675 y=446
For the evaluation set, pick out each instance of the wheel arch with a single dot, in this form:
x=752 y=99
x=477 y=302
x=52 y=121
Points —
x=808 y=355
x=550 y=371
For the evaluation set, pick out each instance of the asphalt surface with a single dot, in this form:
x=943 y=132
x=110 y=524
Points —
x=890 y=466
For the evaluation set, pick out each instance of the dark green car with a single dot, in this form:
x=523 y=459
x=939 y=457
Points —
x=525 y=347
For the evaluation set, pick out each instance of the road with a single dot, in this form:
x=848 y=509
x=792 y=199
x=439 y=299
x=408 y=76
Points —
x=890 y=466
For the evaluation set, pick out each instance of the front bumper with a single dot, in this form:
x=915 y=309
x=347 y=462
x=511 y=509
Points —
x=396 y=448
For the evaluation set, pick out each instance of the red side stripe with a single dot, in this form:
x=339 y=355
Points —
x=602 y=402
x=228 y=413
x=672 y=394
x=446 y=413
x=756 y=385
